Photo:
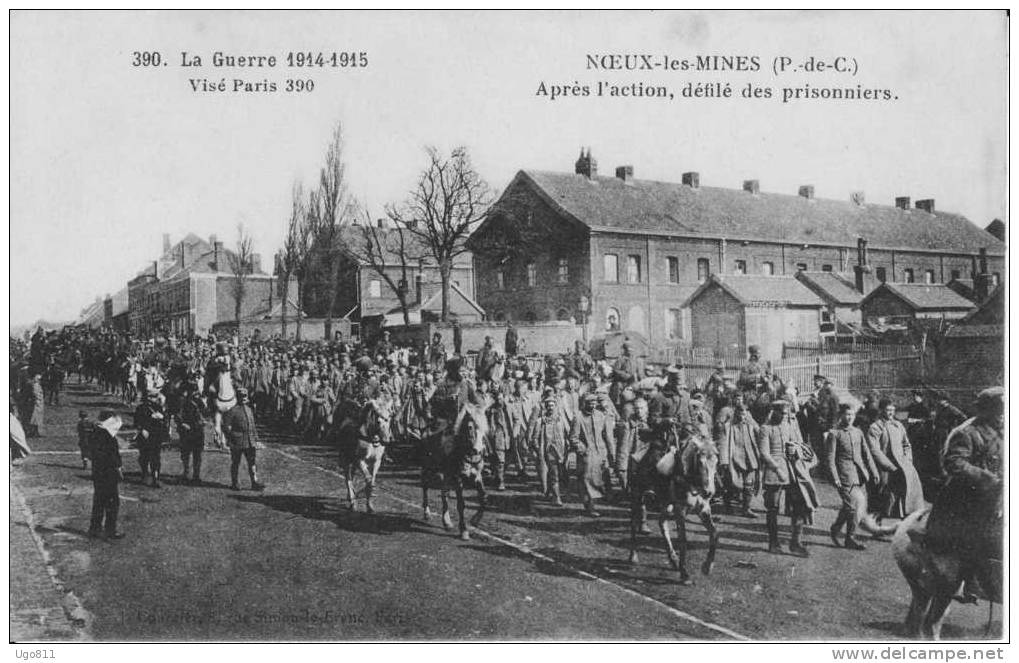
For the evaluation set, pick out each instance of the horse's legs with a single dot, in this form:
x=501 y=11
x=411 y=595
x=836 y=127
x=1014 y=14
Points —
x=709 y=525
x=460 y=507
x=369 y=484
x=482 y=502
x=936 y=615
x=424 y=500
x=680 y=515
x=447 y=522
x=636 y=505
x=663 y=525
x=348 y=473
x=917 y=611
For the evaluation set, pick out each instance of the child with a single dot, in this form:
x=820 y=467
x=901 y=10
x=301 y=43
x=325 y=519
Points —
x=84 y=430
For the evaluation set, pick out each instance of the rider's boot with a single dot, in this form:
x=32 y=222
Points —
x=186 y=470
x=748 y=496
x=966 y=594
x=773 y=545
x=644 y=528
x=155 y=479
x=233 y=479
x=796 y=547
x=253 y=474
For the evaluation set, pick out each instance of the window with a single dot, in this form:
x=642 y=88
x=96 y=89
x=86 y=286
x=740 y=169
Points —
x=564 y=271
x=611 y=268
x=375 y=288
x=801 y=266
x=881 y=274
x=500 y=279
x=955 y=274
x=633 y=269
x=673 y=324
x=612 y=319
x=703 y=269
x=741 y=267
x=768 y=269
x=826 y=268
x=532 y=275
x=907 y=276
x=673 y=269
x=928 y=276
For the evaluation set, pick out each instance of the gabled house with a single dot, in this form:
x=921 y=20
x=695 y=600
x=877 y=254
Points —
x=840 y=296
x=737 y=311
x=901 y=303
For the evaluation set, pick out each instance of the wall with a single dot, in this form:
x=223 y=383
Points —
x=770 y=327
x=976 y=362
x=540 y=338
x=717 y=320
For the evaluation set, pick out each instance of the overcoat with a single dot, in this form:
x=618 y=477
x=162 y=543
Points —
x=897 y=477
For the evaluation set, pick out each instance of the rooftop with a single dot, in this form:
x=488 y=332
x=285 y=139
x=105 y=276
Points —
x=611 y=204
x=833 y=287
x=751 y=290
x=925 y=296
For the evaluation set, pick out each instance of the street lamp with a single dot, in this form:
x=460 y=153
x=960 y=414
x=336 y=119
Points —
x=583 y=306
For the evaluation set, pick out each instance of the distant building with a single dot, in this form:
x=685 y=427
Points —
x=624 y=253
x=840 y=296
x=996 y=228
x=116 y=314
x=730 y=311
x=190 y=288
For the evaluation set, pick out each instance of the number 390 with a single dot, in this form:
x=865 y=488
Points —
x=147 y=59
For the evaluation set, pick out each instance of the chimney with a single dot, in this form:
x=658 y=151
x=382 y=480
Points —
x=381 y=223
x=166 y=243
x=807 y=191
x=624 y=172
x=692 y=180
x=155 y=269
x=418 y=283
x=926 y=205
x=722 y=245
x=902 y=202
x=217 y=249
x=212 y=240
x=182 y=255
x=857 y=198
x=752 y=186
x=256 y=263
x=861 y=269
x=983 y=260
x=982 y=281
x=586 y=165
x=973 y=270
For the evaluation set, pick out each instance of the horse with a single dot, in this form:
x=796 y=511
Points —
x=225 y=400
x=681 y=481
x=362 y=445
x=453 y=456
x=934 y=578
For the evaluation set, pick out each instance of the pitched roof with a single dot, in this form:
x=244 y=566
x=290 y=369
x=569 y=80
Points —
x=352 y=238
x=751 y=290
x=832 y=287
x=610 y=204
x=924 y=296
x=964 y=287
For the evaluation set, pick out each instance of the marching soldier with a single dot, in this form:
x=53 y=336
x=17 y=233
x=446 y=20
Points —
x=242 y=439
x=738 y=453
x=547 y=436
x=591 y=439
x=851 y=467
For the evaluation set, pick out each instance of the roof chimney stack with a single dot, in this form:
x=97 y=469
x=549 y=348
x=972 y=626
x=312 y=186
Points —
x=217 y=250
x=381 y=223
x=926 y=205
x=692 y=180
x=166 y=243
x=982 y=281
x=902 y=202
x=807 y=191
x=155 y=269
x=624 y=172
x=586 y=165
x=861 y=268
x=857 y=198
x=752 y=186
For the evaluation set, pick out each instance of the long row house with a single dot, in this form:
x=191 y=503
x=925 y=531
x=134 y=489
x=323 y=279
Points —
x=681 y=262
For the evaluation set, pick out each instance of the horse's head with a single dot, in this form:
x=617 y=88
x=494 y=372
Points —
x=699 y=464
x=376 y=418
x=471 y=428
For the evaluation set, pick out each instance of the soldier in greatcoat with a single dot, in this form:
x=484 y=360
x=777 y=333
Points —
x=500 y=433
x=736 y=435
x=899 y=489
x=547 y=436
x=592 y=442
x=786 y=460
x=242 y=440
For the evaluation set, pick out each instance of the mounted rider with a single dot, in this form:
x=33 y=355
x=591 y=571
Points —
x=966 y=518
x=452 y=392
x=669 y=410
x=220 y=362
x=364 y=387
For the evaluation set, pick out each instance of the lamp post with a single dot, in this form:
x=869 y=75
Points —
x=582 y=307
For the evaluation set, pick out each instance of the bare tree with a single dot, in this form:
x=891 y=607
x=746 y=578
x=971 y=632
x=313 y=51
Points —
x=387 y=251
x=308 y=230
x=334 y=210
x=290 y=256
x=241 y=265
x=447 y=204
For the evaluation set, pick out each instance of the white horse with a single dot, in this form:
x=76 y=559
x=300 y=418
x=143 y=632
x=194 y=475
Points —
x=226 y=399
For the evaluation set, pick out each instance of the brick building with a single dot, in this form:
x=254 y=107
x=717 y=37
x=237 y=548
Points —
x=627 y=253
x=191 y=287
x=902 y=303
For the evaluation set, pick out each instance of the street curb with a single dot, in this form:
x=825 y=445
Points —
x=77 y=616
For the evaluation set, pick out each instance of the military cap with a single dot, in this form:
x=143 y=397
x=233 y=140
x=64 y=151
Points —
x=242 y=391
x=941 y=395
x=673 y=370
x=106 y=414
x=453 y=364
x=779 y=404
x=548 y=397
x=990 y=398
x=754 y=349
x=843 y=407
x=570 y=373
x=363 y=364
x=590 y=398
x=820 y=377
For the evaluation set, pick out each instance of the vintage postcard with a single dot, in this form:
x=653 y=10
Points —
x=529 y=326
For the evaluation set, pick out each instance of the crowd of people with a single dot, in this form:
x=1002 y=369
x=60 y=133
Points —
x=562 y=416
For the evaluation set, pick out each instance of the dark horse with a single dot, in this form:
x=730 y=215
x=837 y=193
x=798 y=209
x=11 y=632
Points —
x=452 y=456
x=362 y=445
x=681 y=481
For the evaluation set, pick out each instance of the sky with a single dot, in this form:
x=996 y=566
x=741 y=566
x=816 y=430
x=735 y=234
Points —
x=106 y=156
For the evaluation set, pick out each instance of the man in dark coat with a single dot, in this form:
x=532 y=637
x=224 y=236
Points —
x=966 y=518
x=242 y=439
x=458 y=338
x=106 y=475
x=511 y=340
x=850 y=466
x=153 y=425
x=192 y=433
x=487 y=359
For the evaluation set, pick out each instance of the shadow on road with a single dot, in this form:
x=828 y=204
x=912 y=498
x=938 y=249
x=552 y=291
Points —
x=327 y=509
